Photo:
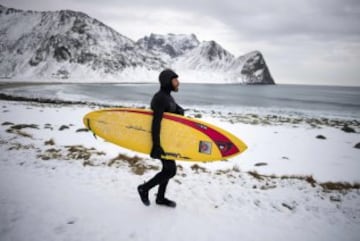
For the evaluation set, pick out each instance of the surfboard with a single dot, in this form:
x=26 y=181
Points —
x=182 y=138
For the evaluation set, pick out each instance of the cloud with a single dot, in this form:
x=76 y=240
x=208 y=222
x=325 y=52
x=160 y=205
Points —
x=257 y=19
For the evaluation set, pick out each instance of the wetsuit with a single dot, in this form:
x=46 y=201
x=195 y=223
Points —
x=161 y=102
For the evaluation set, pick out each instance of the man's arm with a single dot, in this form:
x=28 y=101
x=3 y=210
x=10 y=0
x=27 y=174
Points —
x=156 y=125
x=179 y=110
x=159 y=109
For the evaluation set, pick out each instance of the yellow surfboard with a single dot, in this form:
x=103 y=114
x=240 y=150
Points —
x=182 y=138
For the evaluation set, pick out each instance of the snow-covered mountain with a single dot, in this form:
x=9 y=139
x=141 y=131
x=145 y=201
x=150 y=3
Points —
x=169 y=46
x=66 y=44
x=212 y=61
x=70 y=45
x=254 y=69
x=207 y=55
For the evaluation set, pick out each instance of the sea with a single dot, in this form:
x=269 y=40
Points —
x=338 y=101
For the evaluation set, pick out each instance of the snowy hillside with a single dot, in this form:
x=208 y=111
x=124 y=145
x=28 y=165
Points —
x=207 y=56
x=71 y=46
x=66 y=44
x=169 y=46
x=57 y=182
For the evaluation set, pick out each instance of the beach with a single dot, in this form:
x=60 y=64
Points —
x=298 y=180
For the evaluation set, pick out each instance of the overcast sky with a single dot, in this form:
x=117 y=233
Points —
x=303 y=42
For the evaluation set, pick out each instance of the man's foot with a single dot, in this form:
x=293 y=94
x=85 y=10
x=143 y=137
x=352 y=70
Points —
x=144 y=195
x=166 y=202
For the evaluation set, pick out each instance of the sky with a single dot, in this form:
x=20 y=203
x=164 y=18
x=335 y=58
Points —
x=303 y=42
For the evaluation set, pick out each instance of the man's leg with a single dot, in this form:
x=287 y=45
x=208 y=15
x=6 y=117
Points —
x=168 y=171
x=169 y=167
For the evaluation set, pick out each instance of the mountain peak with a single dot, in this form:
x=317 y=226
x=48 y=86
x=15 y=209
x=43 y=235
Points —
x=255 y=69
x=212 y=51
x=173 y=45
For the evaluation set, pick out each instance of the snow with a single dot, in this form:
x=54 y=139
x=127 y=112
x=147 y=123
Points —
x=170 y=45
x=15 y=28
x=207 y=56
x=66 y=197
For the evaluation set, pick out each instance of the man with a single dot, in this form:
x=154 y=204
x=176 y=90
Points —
x=162 y=102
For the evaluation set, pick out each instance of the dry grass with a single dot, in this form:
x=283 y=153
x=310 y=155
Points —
x=137 y=164
x=49 y=142
x=50 y=154
x=19 y=146
x=198 y=168
x=17 y=129
x=256 y=175
x=339 y=186
x=79 y=152
x=124 y=158
x=75 y=152
x=307 y=178
x=327 y=186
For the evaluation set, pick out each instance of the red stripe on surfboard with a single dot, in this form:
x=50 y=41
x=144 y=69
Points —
x=226 y=147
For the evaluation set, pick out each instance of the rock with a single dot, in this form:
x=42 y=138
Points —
x=22 y=126
x=288 y=206
x=82 y=130
x=335 y=198
x=49 y=142
x=259 y=164
x=63 y=127
x=321 y=137
x=348 y=129
x=357 y=146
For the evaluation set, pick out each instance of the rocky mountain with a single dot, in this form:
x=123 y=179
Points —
x=169 y=46
x=210 y=58
x=72 y=46
x=254 y=69
x=208 y=55
x=66 y=44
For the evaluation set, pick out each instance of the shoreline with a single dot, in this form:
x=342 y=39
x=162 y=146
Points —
x=7 y=81
x=272 y=132
x=231 y=117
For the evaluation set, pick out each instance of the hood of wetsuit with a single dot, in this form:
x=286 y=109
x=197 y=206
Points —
x=165 y=78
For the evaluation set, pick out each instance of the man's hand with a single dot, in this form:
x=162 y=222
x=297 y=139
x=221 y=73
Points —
x=157 y=152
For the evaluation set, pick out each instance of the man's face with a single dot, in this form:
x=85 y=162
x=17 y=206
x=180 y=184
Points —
x=175 y=84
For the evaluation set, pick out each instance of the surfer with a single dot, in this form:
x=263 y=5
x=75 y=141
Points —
x=160 y=103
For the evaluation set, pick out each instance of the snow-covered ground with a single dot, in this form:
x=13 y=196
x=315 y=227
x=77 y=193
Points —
x=57 y=182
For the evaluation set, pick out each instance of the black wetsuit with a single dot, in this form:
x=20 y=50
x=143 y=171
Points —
x=162 y=102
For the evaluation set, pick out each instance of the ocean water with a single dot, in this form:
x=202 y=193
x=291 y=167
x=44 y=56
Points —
x=290 y=99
